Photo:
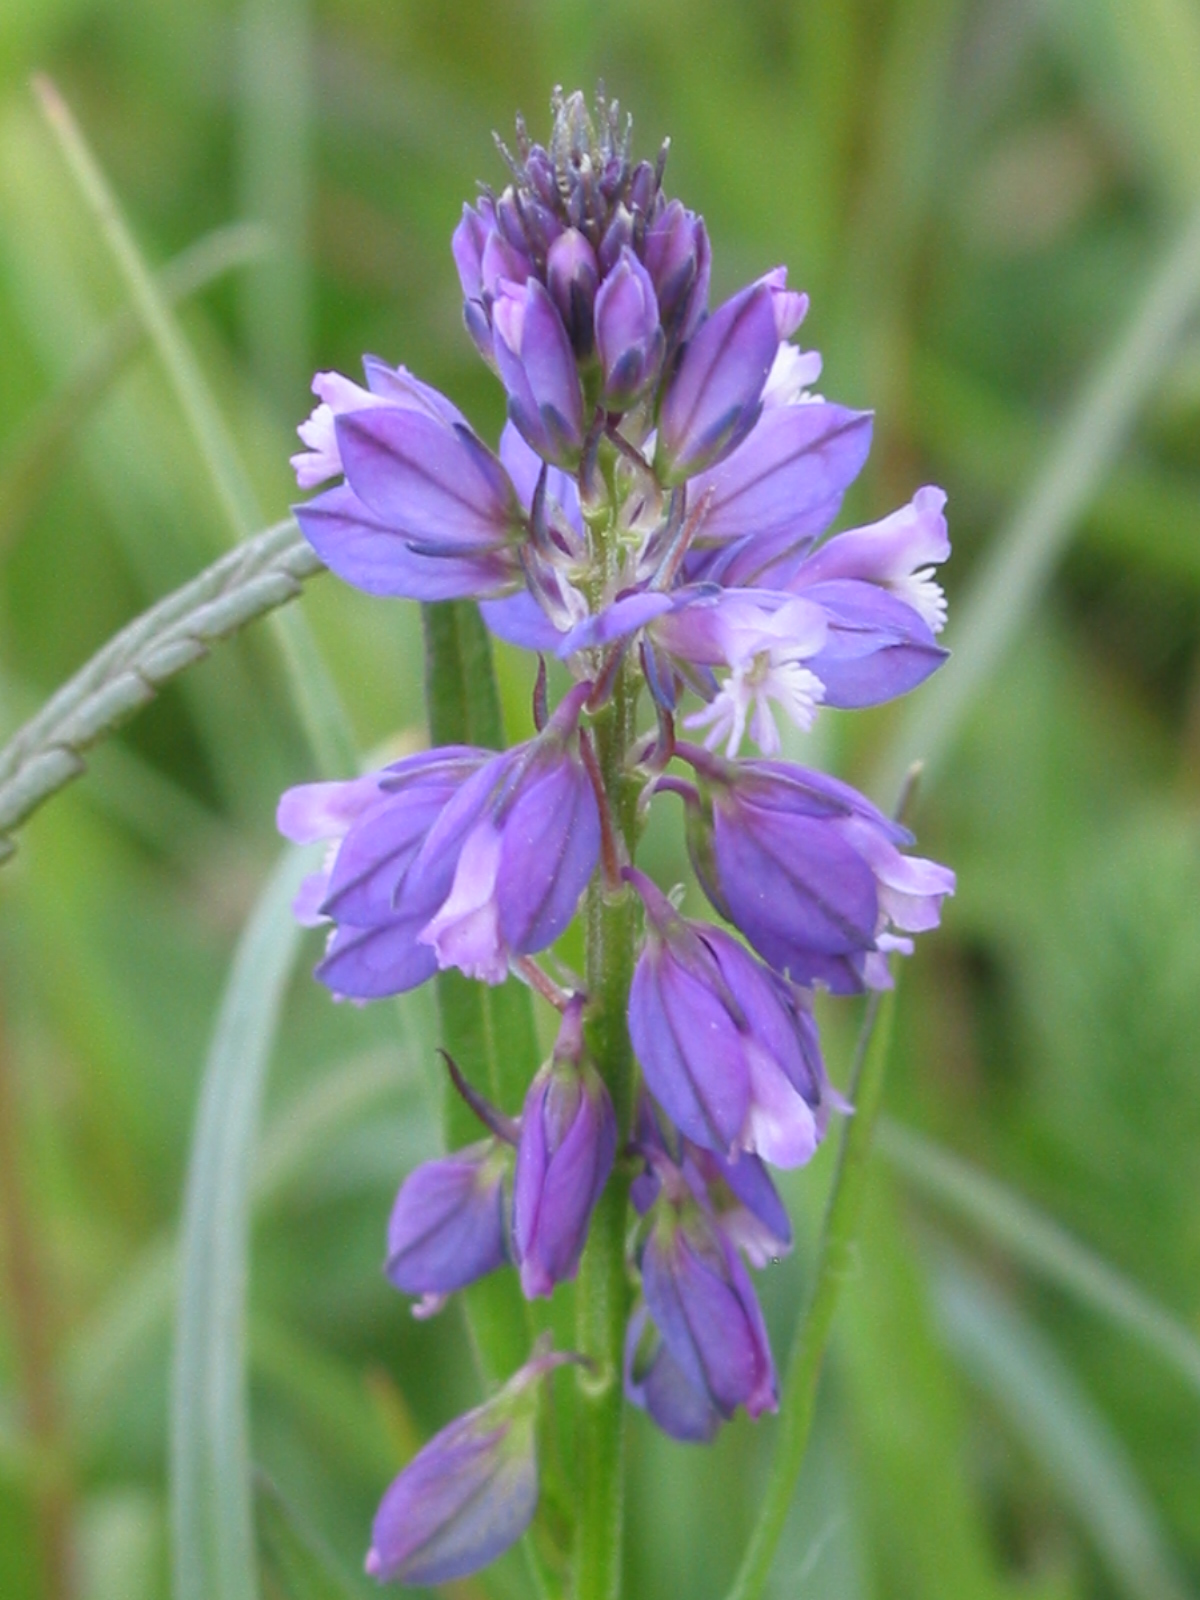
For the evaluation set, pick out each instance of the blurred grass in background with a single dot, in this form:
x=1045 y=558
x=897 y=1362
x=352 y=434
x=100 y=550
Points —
x=975 y=193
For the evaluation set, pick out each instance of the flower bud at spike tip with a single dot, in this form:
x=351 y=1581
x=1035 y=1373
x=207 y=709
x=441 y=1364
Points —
x=566 y=1152
x=469 y=1494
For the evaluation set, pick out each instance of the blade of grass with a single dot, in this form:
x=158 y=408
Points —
x=299 y=1564
x=1024 y=555
x=314 y=693
x=834 y=1262
x=44 y=755
x=1040 y=1245
x=1064 y=1432
x=210 y=1487
x=28 y=462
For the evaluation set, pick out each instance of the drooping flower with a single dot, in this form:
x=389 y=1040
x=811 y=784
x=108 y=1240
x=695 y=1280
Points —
x=701 y=1300
x=447 y=1227
x=469 y=1493
x=567 y=1146
x=728 y=1049
x=809 y=870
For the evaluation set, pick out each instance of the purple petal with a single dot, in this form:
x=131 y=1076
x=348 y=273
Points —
x=713 y=399
x=367 y=551
x=447 y=1225
x=551 y=847
x=369 y=963
x=519 y=620
x=617 y=621
x=877 y=647
x=657 y=1383
x=439 y=487
x=796 y=462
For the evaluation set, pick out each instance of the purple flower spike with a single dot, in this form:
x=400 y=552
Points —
x=468 y=1495
x=715 y=394
x=572 y=276
x=797 y=860
x=447 y=1226
x=703 y=1303
x=537 y=367
x=656 y=1382
x=566 y=1152
x=628 y=336
x=728 y=1049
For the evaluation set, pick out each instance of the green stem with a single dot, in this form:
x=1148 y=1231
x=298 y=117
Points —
x=834 y=1264
x=602 y=1295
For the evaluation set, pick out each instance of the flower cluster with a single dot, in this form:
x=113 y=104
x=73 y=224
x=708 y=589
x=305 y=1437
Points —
x=655 y=518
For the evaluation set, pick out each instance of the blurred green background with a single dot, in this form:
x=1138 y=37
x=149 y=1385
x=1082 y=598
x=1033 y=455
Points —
x=976 y=194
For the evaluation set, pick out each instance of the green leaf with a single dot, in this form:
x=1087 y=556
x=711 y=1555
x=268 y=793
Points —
x=211 y=1514
x=1063 y=1430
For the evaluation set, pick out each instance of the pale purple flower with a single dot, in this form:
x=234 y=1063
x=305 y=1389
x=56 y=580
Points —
x=537 y=367
x=714 y=396
x=468 y=1494
x=629 y=339
x=727 y=1048
x=447 y=1227
x=655 y=1382
x=701 y=1299
x=809 y=870
x=566 y=1151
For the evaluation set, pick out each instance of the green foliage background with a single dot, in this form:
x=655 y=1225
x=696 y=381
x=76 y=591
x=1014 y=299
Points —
x=976 y=194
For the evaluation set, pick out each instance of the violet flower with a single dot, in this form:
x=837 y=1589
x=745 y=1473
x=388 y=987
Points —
x=567 y=1146
x=629 y=340
x=659 y=1385
x=469 y=1494
x=809 y=870
x=700 y=1298
x=447 y=1227
x=537 y=367
x=728 y=1049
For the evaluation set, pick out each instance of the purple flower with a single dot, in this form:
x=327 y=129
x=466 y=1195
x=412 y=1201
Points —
x=629 y=340
x=447 y=1226
x=523 y=838
x=656 y=1382
x=780 y=488
x=728 y=1049
x=377 y=826
x=461 y=858
x=566 y=1151
x=469 y=1494
x=714 y=397
x=537 y=367
x=703 y=1304
x=742 y=1197
x=809 y=870
x=426 y=511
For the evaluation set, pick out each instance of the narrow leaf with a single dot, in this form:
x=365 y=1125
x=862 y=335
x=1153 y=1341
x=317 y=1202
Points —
x=210 y=1487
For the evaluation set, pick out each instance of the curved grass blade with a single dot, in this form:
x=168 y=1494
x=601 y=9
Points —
x=835 y=1261
x=300 y=1567
x=314 y=693
x=210 y=1487
x=1036 y=1392
x=1041 y=1245
x=44 y=755
x=28 y=462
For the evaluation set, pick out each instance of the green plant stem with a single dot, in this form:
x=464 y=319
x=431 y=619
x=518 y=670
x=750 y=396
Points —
x=602 y=1294
x=834 y=1264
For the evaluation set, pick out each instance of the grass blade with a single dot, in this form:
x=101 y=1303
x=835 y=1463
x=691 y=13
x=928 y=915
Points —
x=315 y=696
x=211 y=1496
x=1038 y=1395
x=1025 y=553
x=1041 y=1245
x=44 y=755
x=835 y=1261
